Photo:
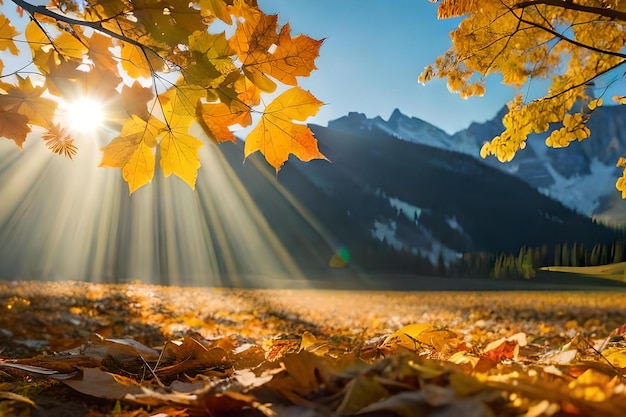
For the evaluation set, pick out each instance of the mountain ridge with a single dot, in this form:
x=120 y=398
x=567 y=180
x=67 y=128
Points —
x=581 y=176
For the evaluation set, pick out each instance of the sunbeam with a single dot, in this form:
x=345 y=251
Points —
x=69 y=220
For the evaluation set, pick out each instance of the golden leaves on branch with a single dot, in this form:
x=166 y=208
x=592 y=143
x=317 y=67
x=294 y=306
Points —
x=525 y=41
x=621 y=181
x=99 y=51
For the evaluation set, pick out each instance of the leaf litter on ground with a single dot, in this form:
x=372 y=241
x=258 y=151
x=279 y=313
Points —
x=138 y=350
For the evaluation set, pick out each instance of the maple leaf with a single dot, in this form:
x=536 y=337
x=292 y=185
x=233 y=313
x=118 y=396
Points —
x=7 y=34
x=168 y=23
x=215 y=118
x=276 y=136
x=100 y=52
x=179 y=150
x=26 y=99
x=59 y=141
x=133 y=151
x=68 y=45
x=217 y=8
x=132 y=100
x=36 y=38
x=14 y=126
x=292 y=57
x=139 y=63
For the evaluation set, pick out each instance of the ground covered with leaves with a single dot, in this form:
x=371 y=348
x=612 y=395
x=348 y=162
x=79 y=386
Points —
x=77 y=349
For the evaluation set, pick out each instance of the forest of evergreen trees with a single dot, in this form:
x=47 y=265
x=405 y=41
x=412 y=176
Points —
x=382 y=257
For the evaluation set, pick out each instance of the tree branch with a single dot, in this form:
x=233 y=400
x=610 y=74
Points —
x=570 y=40
x=43 y=10
x=600 y=11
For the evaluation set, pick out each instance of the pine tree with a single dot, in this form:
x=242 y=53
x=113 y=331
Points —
x=557 y=255
x=618 y=251
x=573 y=260
x=594 y=259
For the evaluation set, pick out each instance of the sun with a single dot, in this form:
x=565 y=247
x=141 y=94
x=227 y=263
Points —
x=84 y=114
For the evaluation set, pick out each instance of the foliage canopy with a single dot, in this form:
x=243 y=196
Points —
x=159 y=68
x=574 y=43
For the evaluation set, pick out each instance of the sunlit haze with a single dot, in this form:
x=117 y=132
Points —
x=83 y=114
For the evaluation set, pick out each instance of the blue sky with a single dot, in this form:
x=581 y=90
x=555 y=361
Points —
x=371 y=58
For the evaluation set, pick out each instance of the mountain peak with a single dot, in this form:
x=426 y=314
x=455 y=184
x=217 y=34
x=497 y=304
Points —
x=396 y=114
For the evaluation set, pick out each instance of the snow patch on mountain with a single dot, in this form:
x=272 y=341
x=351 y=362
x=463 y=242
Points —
x=410 y=211
x=386 y=231
x=454 y=224
x=582 y=192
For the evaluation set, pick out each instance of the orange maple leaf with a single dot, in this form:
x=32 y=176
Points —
x=26 y=99
x=293 y=57
x=276 y=136
x=280 y=56
x=59 y=141
x=215 y=118
x=14 y=126
x=99 y=52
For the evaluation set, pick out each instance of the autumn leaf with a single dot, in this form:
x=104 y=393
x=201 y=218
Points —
x=36 y=38
x=25 y=98
x=215 y=119
x=61 y=77
x=100 y=52
x=134 y=62
x=7 y=34
x=254 y=37
x=276 y=136
x=14 y=126
x=292 y=57
x=133 y=151
x=101 y=384
x=217 y=8
x=179 y=150
x=361 y=392
x=133 y=100
x=59 y=141
x=68 y=45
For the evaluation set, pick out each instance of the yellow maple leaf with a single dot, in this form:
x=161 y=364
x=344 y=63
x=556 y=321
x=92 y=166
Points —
x=133 y=151
x=36 y=37
x=276 y=136
x=7 y=34
x=139 y=63
x=179 y=151
x=217 y=8
x=69 y=46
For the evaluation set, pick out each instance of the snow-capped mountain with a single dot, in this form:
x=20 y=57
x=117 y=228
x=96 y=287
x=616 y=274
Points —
x=581 y=176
